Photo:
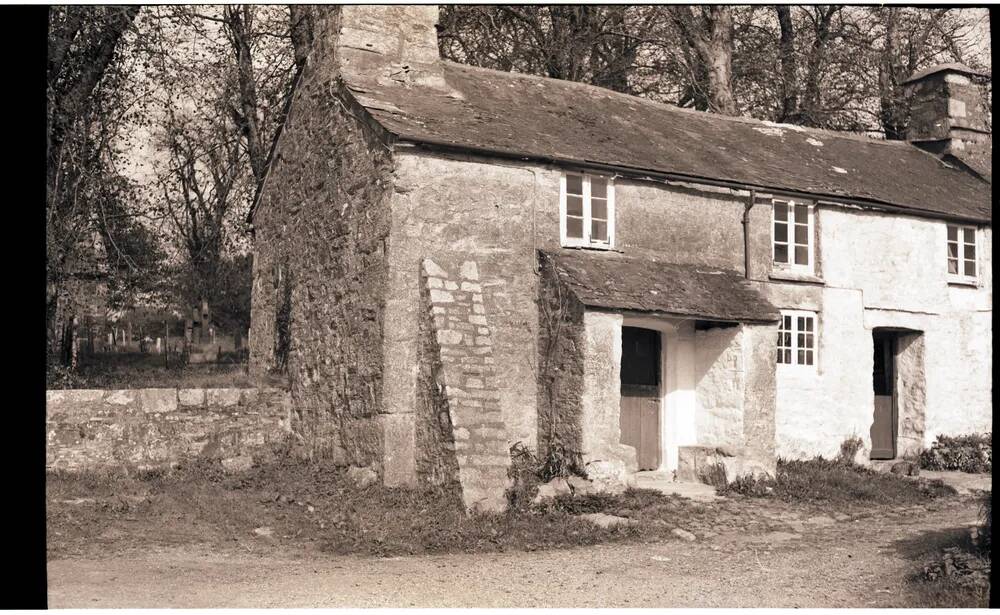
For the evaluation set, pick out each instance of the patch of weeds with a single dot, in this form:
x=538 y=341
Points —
x=749 y=485
x=849 y=449
x=560 y=460
x=833 y=481
x=949 y=593
x=985 y=526
x=523 y=471
x=715 y=475
x=972 y=453
x=528 y=471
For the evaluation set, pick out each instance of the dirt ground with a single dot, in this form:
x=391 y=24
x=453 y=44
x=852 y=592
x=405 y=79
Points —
x=849 y=562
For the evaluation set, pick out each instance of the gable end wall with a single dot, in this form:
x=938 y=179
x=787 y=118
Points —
x=324 y=218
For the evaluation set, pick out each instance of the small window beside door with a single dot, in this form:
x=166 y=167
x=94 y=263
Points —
x=792 y=236
x=587 y=211
x=962 y=254
x=797 y=338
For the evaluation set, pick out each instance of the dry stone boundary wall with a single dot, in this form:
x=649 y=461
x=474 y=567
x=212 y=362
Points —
x=151 y=428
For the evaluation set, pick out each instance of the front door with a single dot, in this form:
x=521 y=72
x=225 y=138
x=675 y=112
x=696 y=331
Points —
x=883 y=431
x=640 y=405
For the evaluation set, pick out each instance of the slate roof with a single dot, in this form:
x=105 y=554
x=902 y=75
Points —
x=549 y=119
x=649 y=284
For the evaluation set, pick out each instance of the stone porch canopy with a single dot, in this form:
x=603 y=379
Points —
x=650 y=284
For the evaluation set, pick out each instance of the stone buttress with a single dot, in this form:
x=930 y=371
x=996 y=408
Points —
x=462 y=430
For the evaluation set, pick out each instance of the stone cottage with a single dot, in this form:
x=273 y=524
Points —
x=451 y=260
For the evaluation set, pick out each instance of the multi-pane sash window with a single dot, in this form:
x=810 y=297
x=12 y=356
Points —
x=797 y=338
x=962 y=252
x=793 y=235
x=587 y=206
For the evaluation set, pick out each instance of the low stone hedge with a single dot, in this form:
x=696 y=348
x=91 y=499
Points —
x=150 y=428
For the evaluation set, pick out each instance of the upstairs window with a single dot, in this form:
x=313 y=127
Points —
x=962 y=253
x=587 y=211
x=797 y=338
x=793 y=236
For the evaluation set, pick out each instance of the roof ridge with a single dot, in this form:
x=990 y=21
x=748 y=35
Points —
x=674 y=108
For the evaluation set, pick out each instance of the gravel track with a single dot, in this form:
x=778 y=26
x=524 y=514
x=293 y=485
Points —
x=851 y=563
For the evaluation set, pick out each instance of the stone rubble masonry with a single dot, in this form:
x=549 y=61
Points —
x=150 y=428
x=322 y=225
x=560 y=364
x=463 y=394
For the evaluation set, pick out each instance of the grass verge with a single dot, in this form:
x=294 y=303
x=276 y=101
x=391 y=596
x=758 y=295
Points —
x=311 y=505
x=136 y=370
x=837 y=482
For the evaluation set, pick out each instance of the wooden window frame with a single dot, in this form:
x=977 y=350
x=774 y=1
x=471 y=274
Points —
x=586 y=241
x=810 y=267
x=793 y=348
x=961 y=244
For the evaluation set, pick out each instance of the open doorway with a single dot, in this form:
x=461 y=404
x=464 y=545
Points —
x=885 y=419
x=641 y=395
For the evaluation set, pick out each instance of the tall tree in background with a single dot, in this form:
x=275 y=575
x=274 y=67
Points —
x=90 y=100
x=829 y=66
x=223 y=75
x=707 y=35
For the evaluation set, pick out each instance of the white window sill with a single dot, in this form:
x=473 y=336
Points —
x=964 y=282
x=787 y=275
x=590 y=246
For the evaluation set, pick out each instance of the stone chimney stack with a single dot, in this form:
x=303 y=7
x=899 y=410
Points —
x=947 y=115
x=379 y=42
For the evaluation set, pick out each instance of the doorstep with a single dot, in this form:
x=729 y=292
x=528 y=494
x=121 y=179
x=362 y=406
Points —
x=664 y=483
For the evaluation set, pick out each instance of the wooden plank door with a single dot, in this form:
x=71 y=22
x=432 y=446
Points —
x=883 y=430
x=640 y=394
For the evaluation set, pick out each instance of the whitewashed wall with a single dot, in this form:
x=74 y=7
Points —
x=885 y=271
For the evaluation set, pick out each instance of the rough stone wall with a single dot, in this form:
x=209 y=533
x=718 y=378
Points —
x=149 y=428
x=384 y=40
x=452 y=210
x=719 y=373
x=324 y=216
x=468 y=419
x=911 y=393
x=606 y=461
x=943 y=102
x=759 y=346
x=560 y=361
x=701 y=227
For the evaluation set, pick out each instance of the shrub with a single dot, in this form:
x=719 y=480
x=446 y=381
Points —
x=971 y=453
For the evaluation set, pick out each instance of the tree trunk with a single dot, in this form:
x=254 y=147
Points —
x=786 y=53
x=711 y=37
x=239 y=22
x=301 y=18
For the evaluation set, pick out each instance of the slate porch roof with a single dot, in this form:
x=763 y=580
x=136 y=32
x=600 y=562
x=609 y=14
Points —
x=649 y=284
x=549 y=119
